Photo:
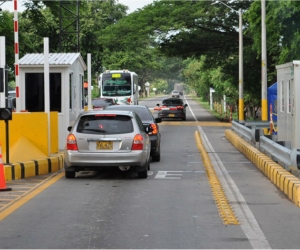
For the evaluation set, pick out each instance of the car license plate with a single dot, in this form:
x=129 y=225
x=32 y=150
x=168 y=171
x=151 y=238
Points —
x=171 y=115
x=101 y=145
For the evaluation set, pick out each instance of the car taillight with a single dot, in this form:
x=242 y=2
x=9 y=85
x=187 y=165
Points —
x=154 y=129
x=129 y=100
x=179 y=107
x=138 y=142
x=71 y=142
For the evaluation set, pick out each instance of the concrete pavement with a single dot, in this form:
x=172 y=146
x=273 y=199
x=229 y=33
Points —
x=25 y=169
x=284 y=180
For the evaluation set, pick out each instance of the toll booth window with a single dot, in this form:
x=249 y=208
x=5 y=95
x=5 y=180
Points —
x=71 y=91
x=282 y=86
x=34 y=92
x=290 y=96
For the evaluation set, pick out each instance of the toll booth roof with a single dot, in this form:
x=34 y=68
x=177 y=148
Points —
x=58 y=59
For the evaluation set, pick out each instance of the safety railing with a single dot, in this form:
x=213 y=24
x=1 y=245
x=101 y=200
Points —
x=252 y=133
x=277 y=152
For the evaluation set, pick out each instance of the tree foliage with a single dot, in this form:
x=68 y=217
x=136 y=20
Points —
x=196 y=42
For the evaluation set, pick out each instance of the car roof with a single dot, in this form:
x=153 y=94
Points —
x=128 y=107
x=106 y=111
x=171 y=99
x=141 y=110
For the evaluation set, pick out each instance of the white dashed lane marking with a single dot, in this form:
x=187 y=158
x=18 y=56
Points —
x=173 y=175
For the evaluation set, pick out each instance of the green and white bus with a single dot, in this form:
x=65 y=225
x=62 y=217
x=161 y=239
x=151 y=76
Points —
x=122 y=85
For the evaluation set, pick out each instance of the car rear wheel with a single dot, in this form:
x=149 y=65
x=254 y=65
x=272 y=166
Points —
x=184 y=118
x=156 y=157
x=143 y=174
x=70 y=174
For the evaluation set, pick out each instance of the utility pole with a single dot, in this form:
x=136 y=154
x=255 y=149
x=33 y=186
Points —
x=264 y=94
x=241 y=62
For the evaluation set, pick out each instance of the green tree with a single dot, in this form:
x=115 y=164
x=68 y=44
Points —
x=283 y=32
x=7 y=30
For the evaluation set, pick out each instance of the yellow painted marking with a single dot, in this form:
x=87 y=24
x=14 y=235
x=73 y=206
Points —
x=225 y=211
x=31 y=194
x=264 y=110
x=194 y=123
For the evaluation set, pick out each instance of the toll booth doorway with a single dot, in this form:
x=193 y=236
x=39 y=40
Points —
x=34 y=92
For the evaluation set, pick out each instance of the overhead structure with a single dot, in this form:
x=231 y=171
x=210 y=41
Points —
x=2 y=2
x=69 y=28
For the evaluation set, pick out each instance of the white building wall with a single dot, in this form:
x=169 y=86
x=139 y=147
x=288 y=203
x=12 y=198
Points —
x=288 y=80
x=284 y=75
x=296 y=106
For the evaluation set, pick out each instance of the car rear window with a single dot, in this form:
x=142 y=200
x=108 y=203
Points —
x=115 y=124
x=172 y=102
x=143 y=113
x=101 y=102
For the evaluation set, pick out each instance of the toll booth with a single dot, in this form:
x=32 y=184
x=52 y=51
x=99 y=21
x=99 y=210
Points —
x=66 y=93
x=288 y=103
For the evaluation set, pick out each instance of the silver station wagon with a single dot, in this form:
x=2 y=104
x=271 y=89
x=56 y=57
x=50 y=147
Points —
x=107 y=138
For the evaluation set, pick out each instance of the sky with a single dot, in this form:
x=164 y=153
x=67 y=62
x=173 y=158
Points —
x=132 y=4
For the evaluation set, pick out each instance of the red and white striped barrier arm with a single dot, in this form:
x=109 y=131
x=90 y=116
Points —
x=16 y=33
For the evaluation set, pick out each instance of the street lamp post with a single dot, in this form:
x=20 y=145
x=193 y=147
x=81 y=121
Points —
x=264 y=88
x=241 y=66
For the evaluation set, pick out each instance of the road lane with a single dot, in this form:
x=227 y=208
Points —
x=172 y=209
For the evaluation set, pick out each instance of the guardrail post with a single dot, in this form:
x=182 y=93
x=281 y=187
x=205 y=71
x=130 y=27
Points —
x=295 y=160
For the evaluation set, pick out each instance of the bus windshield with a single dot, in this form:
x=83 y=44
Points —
x=116 y=84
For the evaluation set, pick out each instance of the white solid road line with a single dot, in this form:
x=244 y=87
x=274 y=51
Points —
x=245 y=216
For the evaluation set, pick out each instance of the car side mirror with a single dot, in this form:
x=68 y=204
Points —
x=185 y=105
x=157 y=104
x=69 y=128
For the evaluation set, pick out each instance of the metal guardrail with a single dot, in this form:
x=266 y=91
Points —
x=250 y=135
x=250 y=132
x=276 y=151
x=242 y=130
x=262 y=124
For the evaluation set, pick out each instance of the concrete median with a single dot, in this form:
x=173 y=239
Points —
x=284 y=180
x=21 y=170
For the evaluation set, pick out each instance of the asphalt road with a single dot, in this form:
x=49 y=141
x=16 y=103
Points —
x=174 y=208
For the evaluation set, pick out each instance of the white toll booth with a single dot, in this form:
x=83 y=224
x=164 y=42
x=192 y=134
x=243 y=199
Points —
x=288 y=104
x=66 y=93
